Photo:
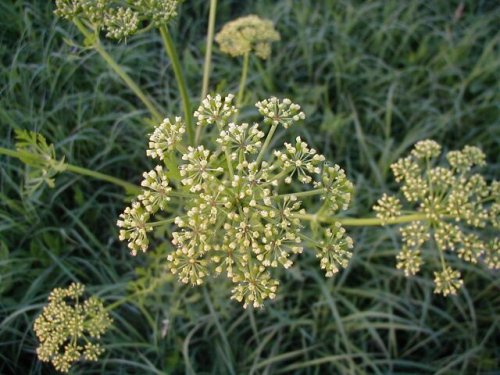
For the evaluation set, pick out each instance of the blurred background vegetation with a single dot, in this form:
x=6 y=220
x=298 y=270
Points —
x=373 y=77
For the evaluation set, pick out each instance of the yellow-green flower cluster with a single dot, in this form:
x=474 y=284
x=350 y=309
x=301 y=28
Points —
x=247 y=34
x=118 y=18
x=238 y=213
x=69 y=327
x=456 y=205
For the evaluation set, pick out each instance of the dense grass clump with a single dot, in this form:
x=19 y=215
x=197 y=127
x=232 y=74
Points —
x=373 y=78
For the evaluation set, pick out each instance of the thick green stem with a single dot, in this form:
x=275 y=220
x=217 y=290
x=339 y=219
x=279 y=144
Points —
x=208 y=59
x=130 y=188
x=152 y=108
x=181 y=83
x=266 y=143
x=243 y=80
x=362 y=222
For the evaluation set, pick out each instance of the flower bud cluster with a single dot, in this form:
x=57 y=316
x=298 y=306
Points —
x=456 y=205
x=165 y=138
x=215 y=110
x=280 y=112
x=69 y=328
x=118 y=18
x=237 y=216
x=247 y=34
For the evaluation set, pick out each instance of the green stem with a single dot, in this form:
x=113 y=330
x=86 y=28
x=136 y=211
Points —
x=243 y=81
x=301 y=194
x=208 y=59
x=266 y=143
x=362 y=222
x=229 y=164
x=161 y=222
x=181 y=83
x=208 y=52
x=121 y=73
x=130 y=188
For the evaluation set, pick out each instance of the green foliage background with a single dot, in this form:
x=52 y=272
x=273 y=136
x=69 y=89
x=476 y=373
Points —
x=373 y=77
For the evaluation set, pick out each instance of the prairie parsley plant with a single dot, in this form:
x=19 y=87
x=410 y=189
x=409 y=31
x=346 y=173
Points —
x=453 y=205
x=69 y=328
x=232 y=202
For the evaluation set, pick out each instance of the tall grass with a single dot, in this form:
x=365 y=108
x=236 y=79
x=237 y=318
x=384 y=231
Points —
x=373 y=78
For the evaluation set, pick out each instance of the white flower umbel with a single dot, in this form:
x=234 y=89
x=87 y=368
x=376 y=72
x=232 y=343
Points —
x=235 y=214
x=453 y=205
x=118 y=18
x=246 y=35
x=69 y=327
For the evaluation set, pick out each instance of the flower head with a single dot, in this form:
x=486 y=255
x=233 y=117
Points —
x=447 y=281
x=120 y=23
x=242 y=138
x=215 y=110
x=280 y=112
x=69 y=328
x=165 y=138
x=335 y=250
x=233 y=214
x=118 y=18
x=155 y=195
x=247 y=34
x=453 y=203
x=387 y=207
x=133 y=227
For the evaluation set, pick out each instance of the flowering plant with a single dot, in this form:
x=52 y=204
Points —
x=232 y=202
